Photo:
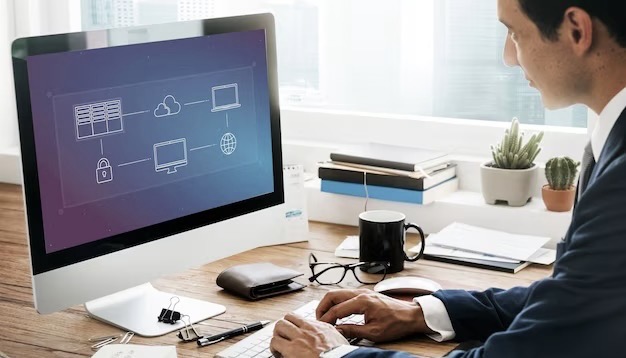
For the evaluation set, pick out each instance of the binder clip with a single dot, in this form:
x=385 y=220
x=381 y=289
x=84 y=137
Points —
x=169 y=315
x=188 y=333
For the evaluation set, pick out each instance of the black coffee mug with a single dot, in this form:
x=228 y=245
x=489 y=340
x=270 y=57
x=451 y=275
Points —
x=381 y=238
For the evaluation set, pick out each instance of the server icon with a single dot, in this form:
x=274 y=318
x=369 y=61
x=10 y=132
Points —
x=98 y=119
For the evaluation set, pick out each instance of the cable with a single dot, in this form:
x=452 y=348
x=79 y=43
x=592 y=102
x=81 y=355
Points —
x=367 y=196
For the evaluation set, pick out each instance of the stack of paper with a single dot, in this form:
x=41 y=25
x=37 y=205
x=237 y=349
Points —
x=135 y=351
x=470 y=242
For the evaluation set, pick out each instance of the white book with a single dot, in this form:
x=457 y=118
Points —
x=390 y=156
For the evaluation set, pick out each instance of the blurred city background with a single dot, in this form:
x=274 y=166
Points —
x=439 y=58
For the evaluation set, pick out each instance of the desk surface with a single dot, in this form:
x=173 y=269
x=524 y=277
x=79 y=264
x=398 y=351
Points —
x=24 y=333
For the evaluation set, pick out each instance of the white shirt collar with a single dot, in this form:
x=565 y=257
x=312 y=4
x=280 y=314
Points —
x=607 y=119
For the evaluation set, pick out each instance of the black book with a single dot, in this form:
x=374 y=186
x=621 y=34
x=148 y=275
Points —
x=478 y=263
x=330 y=171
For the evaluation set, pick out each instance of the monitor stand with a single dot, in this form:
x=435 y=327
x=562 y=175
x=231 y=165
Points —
x=137 y=310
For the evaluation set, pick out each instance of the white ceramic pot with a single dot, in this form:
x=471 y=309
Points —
x=513 y=186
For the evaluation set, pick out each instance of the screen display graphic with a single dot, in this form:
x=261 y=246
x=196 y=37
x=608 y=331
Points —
x=131 y=136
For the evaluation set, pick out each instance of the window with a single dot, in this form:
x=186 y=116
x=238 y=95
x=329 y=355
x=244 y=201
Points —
x=440 y=58
x=297 y=27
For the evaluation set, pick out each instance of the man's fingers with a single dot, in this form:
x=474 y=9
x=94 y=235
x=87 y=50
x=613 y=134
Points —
x=344 y=309
x=278 y=346
x=295 y=319
x=333 y=298
x=353 y=331
x=285 y=329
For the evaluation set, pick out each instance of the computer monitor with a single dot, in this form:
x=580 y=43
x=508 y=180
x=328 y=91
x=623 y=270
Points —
x=170 y=155
x=128 y=172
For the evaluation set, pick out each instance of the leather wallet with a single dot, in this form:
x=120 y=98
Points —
x=259 y=280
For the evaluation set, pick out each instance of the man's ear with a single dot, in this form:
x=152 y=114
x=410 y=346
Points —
x=577 y=29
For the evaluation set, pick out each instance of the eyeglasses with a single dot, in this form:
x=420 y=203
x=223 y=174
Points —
x=330 y=273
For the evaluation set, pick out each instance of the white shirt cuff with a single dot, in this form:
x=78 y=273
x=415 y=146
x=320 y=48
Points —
x=340 y=351
x=436 y=318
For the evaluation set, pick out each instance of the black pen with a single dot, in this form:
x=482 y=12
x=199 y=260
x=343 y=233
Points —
x=206 y=340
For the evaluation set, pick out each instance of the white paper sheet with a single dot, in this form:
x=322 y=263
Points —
x=543 y=257
x=348 y=248
x=135 y=351
x=451 y=252
x=491 y=242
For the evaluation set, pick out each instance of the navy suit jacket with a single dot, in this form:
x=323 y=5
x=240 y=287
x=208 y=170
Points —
x=580 y=311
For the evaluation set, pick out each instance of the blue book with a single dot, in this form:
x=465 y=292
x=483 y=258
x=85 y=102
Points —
x=392 y=194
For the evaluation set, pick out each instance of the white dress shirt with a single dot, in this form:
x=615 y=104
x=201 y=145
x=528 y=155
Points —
x=435 y=313
x=608 y=117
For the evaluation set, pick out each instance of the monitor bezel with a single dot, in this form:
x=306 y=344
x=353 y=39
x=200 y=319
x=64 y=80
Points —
x=22 y=48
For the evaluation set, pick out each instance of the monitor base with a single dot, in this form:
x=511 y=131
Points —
x=137 y=310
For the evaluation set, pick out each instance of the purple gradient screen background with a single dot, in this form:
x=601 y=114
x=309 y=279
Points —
x=139 y=196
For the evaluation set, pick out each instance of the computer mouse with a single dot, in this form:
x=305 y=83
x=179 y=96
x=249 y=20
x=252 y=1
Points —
x=407 y=286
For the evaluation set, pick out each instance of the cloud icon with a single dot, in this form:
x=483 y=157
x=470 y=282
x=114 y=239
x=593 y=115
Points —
x=168 y=107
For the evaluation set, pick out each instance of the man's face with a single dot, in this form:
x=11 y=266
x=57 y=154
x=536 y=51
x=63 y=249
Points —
x=547 y=64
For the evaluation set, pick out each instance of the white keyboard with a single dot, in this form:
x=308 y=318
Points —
x=258 y=344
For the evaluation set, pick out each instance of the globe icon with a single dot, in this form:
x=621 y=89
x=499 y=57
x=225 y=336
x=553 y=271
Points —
x=228 y=143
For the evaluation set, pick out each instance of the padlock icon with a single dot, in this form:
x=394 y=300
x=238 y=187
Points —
x=104 y=172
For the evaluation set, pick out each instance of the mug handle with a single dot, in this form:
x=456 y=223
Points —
x=422 y=241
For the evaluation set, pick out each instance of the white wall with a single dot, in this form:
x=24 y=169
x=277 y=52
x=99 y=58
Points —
x=8 y=113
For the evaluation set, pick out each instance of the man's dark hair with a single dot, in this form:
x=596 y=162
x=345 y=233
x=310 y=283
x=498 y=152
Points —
x=548 y=15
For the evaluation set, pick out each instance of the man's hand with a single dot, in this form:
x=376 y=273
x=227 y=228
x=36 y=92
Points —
x=299 y=338
x=386 y=318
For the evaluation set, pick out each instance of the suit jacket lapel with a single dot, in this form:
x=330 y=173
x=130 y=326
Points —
x=613 y=147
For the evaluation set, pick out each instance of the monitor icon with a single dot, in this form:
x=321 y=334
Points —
x=225 y=97
x=170 y=155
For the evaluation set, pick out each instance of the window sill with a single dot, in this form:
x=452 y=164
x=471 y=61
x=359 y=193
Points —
x=462 y=206
x=454 y=136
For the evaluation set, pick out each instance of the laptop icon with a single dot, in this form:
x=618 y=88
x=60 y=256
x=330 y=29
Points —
x=225 y=97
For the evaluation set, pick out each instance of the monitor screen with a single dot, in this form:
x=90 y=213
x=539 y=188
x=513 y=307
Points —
x=126 y=143
x=148 y=148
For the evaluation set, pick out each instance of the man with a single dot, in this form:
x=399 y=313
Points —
x=572 y=51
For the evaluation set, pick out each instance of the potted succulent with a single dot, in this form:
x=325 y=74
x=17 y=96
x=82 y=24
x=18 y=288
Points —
x=511 y=174
x=559 y=193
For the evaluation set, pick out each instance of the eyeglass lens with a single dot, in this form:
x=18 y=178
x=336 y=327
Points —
x=369 y=273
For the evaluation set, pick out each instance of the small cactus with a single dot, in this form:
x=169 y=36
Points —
x=511 y=153
x=561 y=172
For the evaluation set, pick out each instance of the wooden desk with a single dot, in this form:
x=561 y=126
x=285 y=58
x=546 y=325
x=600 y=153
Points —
x=24 y=333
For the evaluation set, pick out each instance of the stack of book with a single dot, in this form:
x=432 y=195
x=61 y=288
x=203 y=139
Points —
x=388 y=172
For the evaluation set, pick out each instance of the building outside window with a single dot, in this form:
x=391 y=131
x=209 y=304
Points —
x=440 y=58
